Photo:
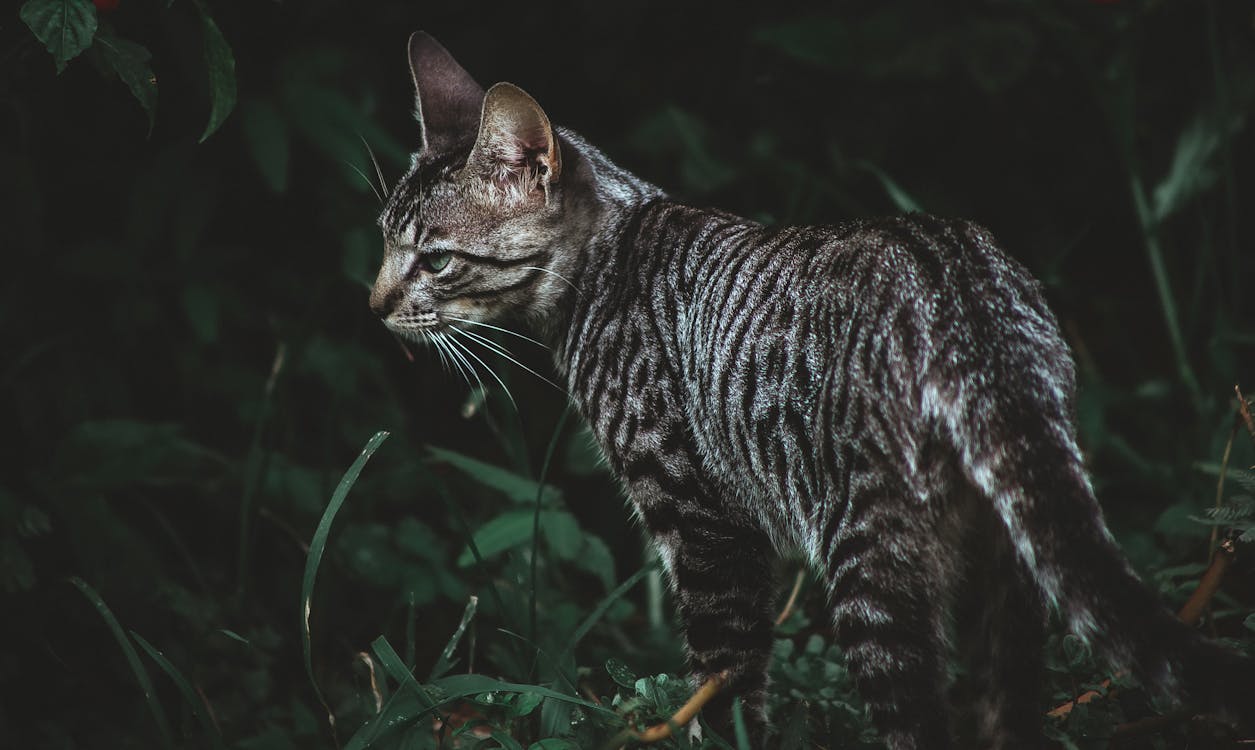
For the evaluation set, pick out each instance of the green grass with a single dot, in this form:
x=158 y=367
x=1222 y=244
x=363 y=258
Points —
x=191 y=364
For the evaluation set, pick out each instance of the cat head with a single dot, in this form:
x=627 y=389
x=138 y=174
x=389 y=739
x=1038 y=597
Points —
x=481 y=225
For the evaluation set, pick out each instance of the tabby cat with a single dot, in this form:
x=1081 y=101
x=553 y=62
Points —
x=891 y=396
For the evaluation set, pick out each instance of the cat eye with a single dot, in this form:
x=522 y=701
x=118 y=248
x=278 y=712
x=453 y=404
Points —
x=436 y=262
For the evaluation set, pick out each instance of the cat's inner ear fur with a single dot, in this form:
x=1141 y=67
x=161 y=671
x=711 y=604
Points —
x=516 y=148
x=448 y=100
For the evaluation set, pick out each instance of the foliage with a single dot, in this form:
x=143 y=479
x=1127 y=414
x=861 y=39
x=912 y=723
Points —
x=191 y=366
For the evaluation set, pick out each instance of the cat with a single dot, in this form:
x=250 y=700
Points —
x=891 y=396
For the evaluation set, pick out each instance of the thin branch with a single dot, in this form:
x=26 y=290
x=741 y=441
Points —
x=792 y=602
x=662 y=731
x=1244 y=410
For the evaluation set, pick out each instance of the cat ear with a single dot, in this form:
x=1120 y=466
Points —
x=515 y=139
x=448 y=100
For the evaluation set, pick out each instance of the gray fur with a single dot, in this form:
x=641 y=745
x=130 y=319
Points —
x=891 y=396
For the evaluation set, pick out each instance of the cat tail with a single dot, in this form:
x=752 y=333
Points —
x=1018 y=448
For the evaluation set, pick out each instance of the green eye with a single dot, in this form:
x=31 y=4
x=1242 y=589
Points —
x=437 y=261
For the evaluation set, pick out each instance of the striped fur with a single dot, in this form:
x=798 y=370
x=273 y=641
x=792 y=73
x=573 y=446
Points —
x=890 y=395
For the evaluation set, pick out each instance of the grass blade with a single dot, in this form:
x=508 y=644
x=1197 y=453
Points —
x=190 y=695
x=540 y=491
x=392 y=662
x=602 y=606
x=316 y=548
x=132 y=658
x=445 y=662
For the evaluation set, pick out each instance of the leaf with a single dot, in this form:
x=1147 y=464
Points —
x=1249 y=622
x=445 y=662
x=562 y=533
x=132 y=658
x=194 y=701
x=1193 y=169
x=553 y=744
x=596 y=558
x=220 y=63
x=901 y=199
x=130 y=61
x=266 y=135
x=463 y=685
x=319 y=544
x=517 y=488
x=392 y=662
x=234 y=636
x=620 y=673
x=66 y=27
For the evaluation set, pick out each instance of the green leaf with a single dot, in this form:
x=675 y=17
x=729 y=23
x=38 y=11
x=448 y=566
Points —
x=319 y=544
x=562 y=533
x=130 y=61
x=462 y=685
x=66 y=27
x=234 y=636
x=445 y=662
x=132 y=658
x=266 y=135
x=194 y=701
x=553 y=744
x=620 y=673
x=506 y=741
x=1249 y=622
x=392 y=662
x=517 y=488
x=596 y=558
x=220 y=63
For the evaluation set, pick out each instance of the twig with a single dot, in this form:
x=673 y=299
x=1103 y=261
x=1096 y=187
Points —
x=658 y=732
x=1190 y=614
x=792 y=601
x=1244 y=409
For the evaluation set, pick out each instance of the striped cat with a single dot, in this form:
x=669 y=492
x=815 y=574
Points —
x=890 y=395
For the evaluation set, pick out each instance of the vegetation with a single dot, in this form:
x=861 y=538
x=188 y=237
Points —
x=191 y=366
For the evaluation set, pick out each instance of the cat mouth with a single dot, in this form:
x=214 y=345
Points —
x=414 y=323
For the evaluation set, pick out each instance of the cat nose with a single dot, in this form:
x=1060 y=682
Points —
x=382 y=300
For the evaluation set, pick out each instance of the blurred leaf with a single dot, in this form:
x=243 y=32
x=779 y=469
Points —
x=1193 y=169
x=220 y=64
x=65 y=27
x=553 y=744
x=562 y=533
x=416 y=538
x=901 y=199
x=119 y=452
x=17 y=572
x=504 y=532
x=595 y=557
x=266 y=135
x=1178 y=520
x=515 y=487
x=201 y=305
x=130 y=61
x=370 y=554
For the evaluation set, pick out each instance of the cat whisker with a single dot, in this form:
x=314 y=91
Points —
x=554 y=273
x=365 y=179
x=495 y=328
x=491 y=372
x=502 y=352
x=456 y=358
x=444 y=364
x=383 y=186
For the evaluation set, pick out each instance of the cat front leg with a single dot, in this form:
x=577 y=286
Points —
x=720 y=570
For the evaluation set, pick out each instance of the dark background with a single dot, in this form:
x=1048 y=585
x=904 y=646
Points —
x=190 y=363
